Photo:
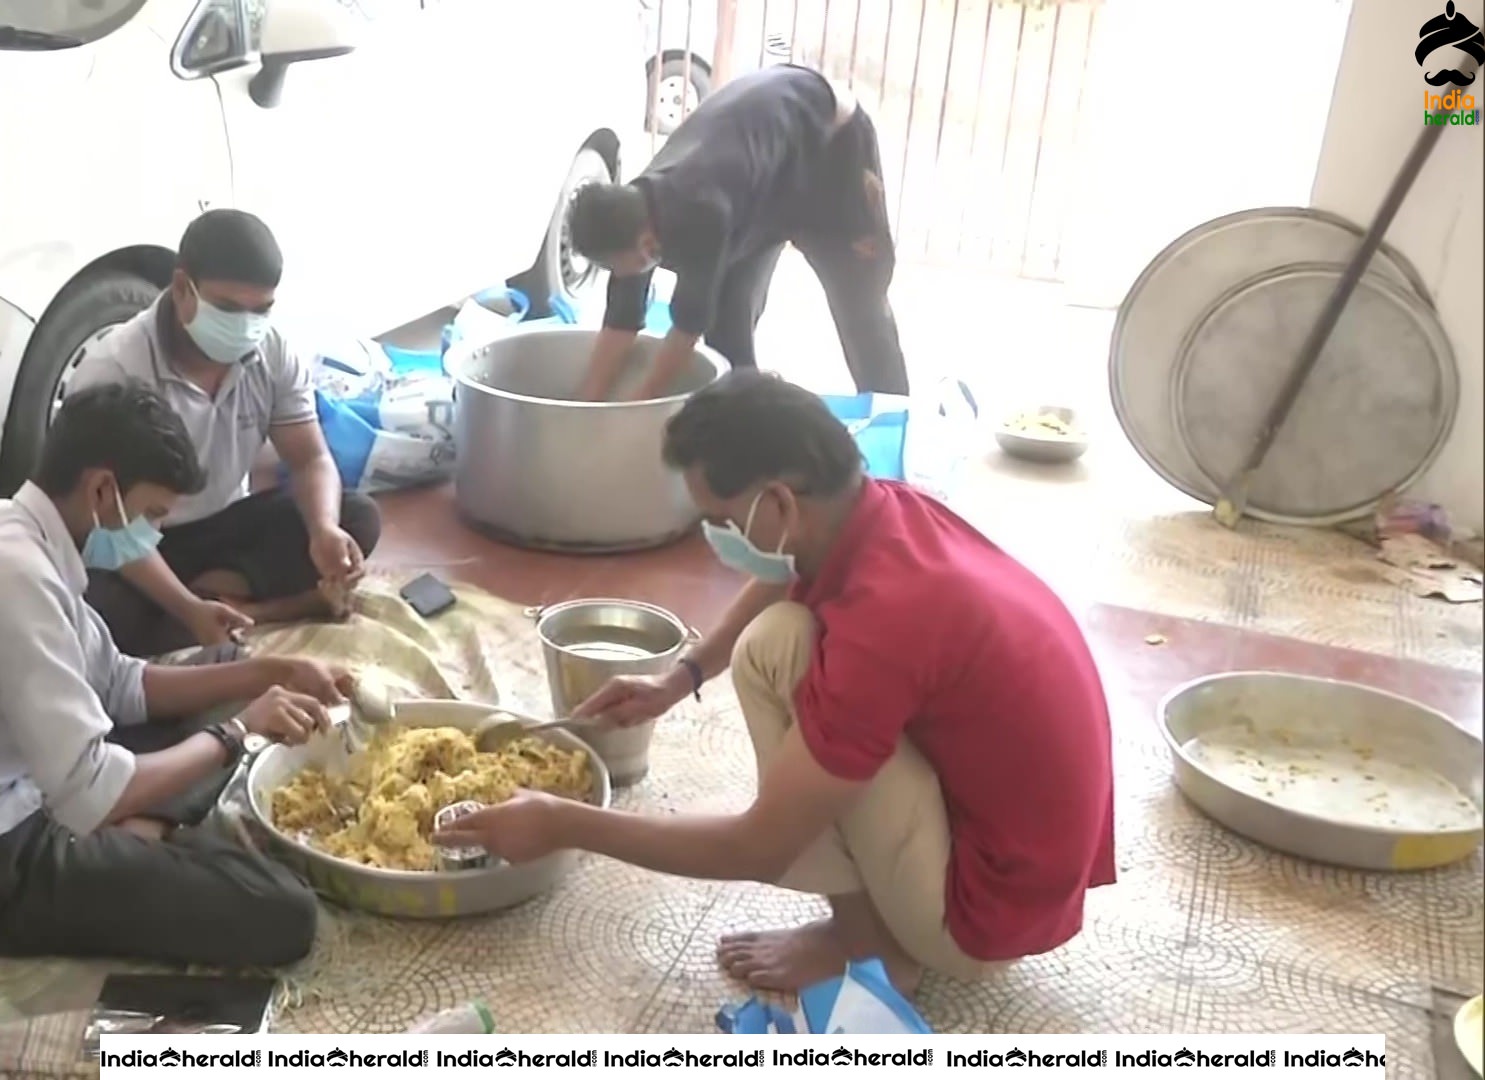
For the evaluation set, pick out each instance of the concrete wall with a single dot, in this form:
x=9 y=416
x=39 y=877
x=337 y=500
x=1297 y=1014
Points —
x=1376 y=113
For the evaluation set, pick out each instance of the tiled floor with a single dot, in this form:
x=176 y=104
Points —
x=1205 y=932
x=423 y=532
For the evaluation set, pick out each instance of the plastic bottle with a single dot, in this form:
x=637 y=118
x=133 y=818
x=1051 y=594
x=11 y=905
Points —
x=942 y=424
x=473 y=1018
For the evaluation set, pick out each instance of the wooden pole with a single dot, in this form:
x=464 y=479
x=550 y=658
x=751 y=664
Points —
x=723 y=47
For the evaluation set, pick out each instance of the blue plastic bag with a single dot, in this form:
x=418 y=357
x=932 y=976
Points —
x=482 y=313
x=372 y=458
x=922 y=439
x=348 y=435
x=878 y=422
x=386 y=414
x=860 y=1002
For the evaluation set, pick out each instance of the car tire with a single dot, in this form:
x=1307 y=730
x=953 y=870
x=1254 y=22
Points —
x=675 y=68
x=557 y=271
x=85 y=309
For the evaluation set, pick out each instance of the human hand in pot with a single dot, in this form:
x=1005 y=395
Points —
x=523 y=828
x=629 y=700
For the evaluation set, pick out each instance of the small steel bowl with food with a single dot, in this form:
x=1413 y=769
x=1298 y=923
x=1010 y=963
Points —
x=1047 y=435
x=1331 y=771
x=456 y=882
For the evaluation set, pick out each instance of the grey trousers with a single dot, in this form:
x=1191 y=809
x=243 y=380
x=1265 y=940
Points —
x=197 y=898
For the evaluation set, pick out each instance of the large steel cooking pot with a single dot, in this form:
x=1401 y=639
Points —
x=541 y=470
x=408 y=893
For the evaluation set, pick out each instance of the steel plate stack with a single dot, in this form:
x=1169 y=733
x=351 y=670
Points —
x=1210 y=330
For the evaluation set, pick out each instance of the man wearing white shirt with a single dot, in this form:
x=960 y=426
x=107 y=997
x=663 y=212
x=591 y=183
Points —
x=107 y=761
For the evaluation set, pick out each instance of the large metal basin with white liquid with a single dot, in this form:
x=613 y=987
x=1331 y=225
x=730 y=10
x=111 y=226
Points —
x=541 y=470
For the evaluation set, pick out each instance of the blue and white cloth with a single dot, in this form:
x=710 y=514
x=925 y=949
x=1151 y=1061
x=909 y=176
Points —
x=388 y=413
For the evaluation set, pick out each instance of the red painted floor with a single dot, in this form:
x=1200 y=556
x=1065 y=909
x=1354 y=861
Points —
x=422 y=531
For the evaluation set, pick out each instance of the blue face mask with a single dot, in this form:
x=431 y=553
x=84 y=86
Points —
x=113 y=548
x=226 y=337
x=735 y=551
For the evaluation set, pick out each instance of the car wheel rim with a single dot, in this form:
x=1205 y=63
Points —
x=676 y=99
x=59 y=391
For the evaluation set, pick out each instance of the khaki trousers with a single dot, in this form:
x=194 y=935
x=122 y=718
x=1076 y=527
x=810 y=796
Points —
x=894 y=841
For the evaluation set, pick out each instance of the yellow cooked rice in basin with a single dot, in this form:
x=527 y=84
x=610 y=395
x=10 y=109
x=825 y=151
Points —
x=380 y=811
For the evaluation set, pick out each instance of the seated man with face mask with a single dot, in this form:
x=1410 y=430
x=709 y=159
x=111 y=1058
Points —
x=930 y=728
x=229 y=558
x=104 y=757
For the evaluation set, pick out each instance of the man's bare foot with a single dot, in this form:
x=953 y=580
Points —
x=787 y=960
x=790 y=960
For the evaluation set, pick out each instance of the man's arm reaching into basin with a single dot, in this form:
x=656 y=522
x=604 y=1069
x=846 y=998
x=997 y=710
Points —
x=797 y=801
x=623 y=317
x=610 y=350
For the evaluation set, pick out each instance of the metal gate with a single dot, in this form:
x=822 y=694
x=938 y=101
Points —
x=977 y=104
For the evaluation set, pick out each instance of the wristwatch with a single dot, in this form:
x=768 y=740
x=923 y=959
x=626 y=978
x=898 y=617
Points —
x=233 y=737
x=236 y=739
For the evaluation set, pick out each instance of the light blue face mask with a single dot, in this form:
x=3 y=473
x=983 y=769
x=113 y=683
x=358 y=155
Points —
x=735 y=551
x=226 y=337
x=113 y=548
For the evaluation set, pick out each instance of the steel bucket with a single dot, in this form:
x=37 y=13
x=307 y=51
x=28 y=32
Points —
x=584 y=643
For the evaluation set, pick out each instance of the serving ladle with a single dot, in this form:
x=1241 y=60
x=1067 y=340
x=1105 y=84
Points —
x=504 y=726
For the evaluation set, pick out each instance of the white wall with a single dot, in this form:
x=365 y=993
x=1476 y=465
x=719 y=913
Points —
x=1194 y=109
x=1376 y=114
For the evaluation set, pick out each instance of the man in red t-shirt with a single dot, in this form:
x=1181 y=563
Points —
x=932 y=734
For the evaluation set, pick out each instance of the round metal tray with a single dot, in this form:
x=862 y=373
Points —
x=409 y=893
x=1181 y=283
x=1295 y=705
x=1371 y=417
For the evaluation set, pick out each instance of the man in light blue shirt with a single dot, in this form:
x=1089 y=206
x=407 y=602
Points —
x=106 y=761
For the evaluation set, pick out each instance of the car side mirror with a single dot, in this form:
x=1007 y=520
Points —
x=295 y=31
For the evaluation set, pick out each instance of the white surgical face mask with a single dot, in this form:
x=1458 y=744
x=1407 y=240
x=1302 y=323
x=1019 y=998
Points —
x=226 y=337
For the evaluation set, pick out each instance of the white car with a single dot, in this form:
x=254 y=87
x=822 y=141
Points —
x=407 y=153
x=676 y=29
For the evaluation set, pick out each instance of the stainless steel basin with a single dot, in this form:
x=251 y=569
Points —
x=541 y=470
x=411 y=894
x=1290 y=708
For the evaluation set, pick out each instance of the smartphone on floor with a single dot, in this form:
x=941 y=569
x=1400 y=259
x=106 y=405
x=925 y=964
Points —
x=427 y=596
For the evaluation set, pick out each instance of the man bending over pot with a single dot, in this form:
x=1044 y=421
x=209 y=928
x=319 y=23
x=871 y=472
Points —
x=931 y=731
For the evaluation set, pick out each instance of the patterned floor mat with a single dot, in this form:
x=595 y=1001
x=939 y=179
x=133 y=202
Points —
x=1316 y=585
